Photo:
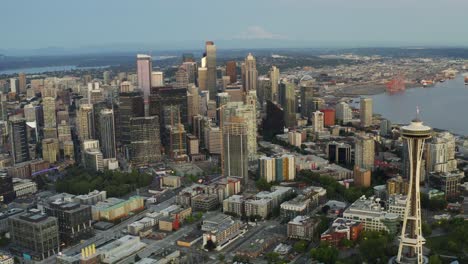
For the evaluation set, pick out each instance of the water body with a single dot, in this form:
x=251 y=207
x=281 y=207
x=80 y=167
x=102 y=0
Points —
x=442 y=106
x=33 y=70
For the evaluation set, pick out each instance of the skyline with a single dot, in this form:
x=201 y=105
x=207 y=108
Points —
x=272 y=24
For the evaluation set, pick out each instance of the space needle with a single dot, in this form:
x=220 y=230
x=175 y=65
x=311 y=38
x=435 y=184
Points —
x=410 y=249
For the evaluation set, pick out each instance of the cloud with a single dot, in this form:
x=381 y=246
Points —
x=258 y=32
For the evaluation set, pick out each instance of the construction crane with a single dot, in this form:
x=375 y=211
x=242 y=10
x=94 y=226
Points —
x=397 y=84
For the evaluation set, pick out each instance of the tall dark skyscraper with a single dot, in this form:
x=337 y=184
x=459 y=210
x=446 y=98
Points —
x=19 y=140
x=131 y=105
x=210 y=50
x=107 y=133
x=307 y=104
x=231 y=71
x=273 y=124
x=168 y=96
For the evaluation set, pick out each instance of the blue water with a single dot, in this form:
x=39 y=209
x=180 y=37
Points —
x=33 y=70
x=443 y=106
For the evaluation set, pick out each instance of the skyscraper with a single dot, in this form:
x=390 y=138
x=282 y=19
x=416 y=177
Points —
x=210 y=50
x=168 y=96
x=231 y=71
x=144 y=69
x=307 y=93
x=182 y=78
x=364 y=152
x=22 y=82
x=441 y=153
x=250 y=71
x=410 y=249
x=288 y=101
x=344 y=113
x=3 y=107
x=157 y=79
x=317 y=121
x=50 y=150
x=235 y=148
x=145 y=145
x=19 y=140
x=385 y=127
x=131 y=105
x=246 y=112
x=50 y=119
x=193 y=102
x=366 y=112
x=274 y=78
x=85 y=122
x=107 y=133
x=14 y=85
x=274 y=123
x=191 y=69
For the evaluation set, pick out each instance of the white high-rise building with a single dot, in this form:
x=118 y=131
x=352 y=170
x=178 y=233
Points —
x=266 y=167
x=274 y=78
x=441 y=153
x=343 y=112
x=157 y=79
x=317 y=121
x=364 y=152
x=366 y=112
x=250 y=80
x=144 y=69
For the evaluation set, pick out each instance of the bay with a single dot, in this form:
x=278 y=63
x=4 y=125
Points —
x=443 y=106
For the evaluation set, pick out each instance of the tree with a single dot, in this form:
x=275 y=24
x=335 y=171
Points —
x=346 y=243
x=325 y=209
x=272 y=257
x=210 y=245
x=426 y=229
x=300 y=246
x=263 y=185
x=137 y=258
x=375 y=246
x=435 y=259
x=221 y=257
x=325 y=253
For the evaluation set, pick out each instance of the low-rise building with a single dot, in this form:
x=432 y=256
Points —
x=91 y=198
x=302 y=227
x=74 y=220
x=258 y=244
x=342 y=229
x=120 y=248
x=6 y=259
x=139 y=227
x=372 y=215
x=447 y=182
x=4 y=215
x=205 y=202
x=300 y=205
x=34 y=235
x=24 y=187
x=170 y=181
x=113 y=209
x=397 y=205
x=260 y=207
x=221 y=232
x=234 y=205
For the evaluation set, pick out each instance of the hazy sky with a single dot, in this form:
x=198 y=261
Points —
x=27 y=24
